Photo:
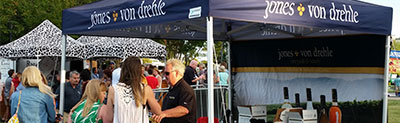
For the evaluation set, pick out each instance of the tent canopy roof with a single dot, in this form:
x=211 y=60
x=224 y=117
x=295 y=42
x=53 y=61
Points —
x=235 y=19
x=106 y=47
x=44 y=40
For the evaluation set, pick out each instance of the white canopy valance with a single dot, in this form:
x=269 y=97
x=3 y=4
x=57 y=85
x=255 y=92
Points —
x=101 y=47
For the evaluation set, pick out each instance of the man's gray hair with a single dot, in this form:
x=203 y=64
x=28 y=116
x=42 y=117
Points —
x=193 y=62
x=176 y=65
x=73 y=72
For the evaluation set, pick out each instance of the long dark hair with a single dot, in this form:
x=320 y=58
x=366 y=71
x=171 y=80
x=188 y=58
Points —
x=131 y=74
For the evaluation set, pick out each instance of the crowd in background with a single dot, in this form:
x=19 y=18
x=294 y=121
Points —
x=88 y=92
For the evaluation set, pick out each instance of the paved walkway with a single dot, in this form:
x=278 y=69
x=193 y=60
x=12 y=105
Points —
x=393 y=96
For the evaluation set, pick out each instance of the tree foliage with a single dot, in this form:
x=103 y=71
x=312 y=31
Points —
x=182 y=49
x=18 y=17
x=395 y=45
x=220 y=52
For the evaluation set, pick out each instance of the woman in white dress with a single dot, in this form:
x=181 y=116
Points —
x=127 y=100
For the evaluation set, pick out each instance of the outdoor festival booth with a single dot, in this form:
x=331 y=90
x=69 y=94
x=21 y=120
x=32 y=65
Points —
x=101 y=48
x=321 y=45
x=119 y=47
x=41 y=47
x=43 y=40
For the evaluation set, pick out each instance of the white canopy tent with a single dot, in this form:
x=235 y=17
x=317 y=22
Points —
x=44 y=40
x=105 y=47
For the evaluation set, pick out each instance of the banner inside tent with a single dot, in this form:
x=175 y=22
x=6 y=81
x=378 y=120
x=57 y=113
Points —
x=352 y=64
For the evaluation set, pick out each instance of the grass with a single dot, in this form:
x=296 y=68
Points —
x=393 y=111
x=391 y=89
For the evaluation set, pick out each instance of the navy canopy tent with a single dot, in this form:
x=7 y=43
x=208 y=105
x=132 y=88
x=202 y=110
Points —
x=228 y=20
x=183 y=19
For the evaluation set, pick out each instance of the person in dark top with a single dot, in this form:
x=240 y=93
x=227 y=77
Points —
x=85 y=77
x=179 y=105
x=8 y=83
x=7 y=91
x=73 y=92
x=55 y=81
x=190 y=75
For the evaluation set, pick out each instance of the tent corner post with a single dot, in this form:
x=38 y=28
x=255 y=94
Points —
x=230 y=81
x=38 y=61
x=62 y=82
x=210 y=91
x=385 y=79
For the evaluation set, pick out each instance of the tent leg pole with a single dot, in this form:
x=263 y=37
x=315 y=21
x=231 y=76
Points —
x=62 y=86
x=385 y=79
x=210 y=77
x=38 y=61
x=15 y=64
x=230 y=82
x=91 y=68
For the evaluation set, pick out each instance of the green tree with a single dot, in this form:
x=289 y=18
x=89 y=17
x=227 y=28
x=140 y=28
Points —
x=182 y=49
x=220 y=52
x=395 y=45
x=18 y=17
x=221 y=49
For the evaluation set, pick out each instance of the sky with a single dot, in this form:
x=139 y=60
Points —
x=395 y=4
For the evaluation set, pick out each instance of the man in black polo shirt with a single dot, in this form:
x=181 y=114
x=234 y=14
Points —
x=73 y=92
x=179 y=105
x=190 y=75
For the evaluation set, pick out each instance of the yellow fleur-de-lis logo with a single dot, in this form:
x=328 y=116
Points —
x=167 y=29
x=301 y=9
x=115 y=16
x=296 y=53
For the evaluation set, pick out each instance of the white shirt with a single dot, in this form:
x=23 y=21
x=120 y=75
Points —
x=115 y=76
x=125 y=109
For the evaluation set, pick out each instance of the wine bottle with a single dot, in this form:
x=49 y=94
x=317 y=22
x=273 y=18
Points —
x=323 y=118
x=309 y=99
x=286 y=103
x=297 y=96
x=335 y=114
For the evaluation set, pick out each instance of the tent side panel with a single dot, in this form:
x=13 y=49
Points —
x=354 y=65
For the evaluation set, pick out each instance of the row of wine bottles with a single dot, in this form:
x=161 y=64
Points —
x=335 y=114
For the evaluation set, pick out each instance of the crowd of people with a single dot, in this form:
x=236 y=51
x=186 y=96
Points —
x=120 y=95
x=196 y=74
